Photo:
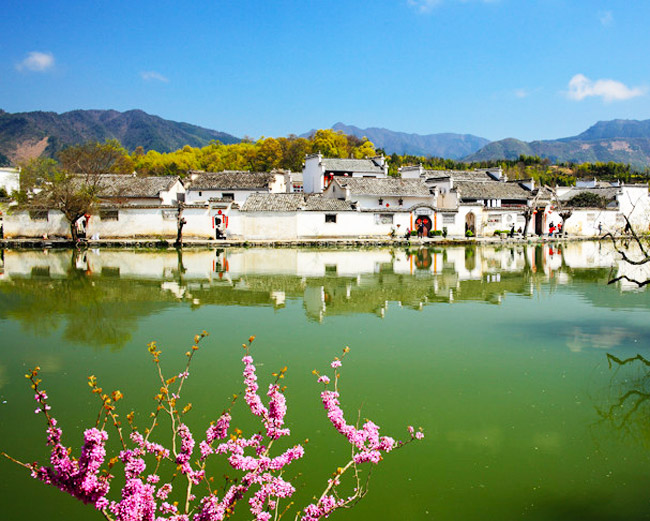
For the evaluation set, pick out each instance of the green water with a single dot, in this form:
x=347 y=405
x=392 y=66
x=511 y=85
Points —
x=499 y=354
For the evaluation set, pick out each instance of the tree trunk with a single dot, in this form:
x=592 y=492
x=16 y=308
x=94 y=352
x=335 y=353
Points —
x=180 y=222
x=73 y=231
x=527 y=216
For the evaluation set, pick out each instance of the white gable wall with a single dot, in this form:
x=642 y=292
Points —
x=312 y=175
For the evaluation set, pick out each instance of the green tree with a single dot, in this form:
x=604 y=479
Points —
x=73 y=186
x=587 y=200
x=330 y=143
x=268 y=156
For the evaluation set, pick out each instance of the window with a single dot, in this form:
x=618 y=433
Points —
x=298 y=188
x=200 y=194
x=494 y=218
x=448 y=218
x=381 y=202
x=169 y=215
x=40 y=271
x=109 y=215
x=229 y=197
x=38 y=215
x=330 y=217
x=383 y=218
x=400 y=202
x=109 y=272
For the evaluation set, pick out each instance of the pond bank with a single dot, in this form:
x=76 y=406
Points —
x=39 y=244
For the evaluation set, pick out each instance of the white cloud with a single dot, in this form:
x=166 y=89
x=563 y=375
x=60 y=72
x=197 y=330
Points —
x=521 y=93
x=423 y=6
x=581 y=87
x=606 y=18
x=426 y=6
x=37 y=62
x=153 y=75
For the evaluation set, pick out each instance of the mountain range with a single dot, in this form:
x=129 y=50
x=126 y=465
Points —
x=30 y=134
x=619 y=140
x=447 y=145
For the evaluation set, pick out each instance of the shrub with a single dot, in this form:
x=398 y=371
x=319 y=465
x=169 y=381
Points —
x=587 y=200
x=469 y=233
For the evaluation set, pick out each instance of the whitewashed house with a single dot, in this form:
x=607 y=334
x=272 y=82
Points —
x=319 y=171
x=232 y=185
x=129 y=206
x=123 y=190
x=294 y=216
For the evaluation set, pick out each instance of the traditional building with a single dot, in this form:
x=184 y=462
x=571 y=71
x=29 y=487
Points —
x=318 y=171
x=232 y=185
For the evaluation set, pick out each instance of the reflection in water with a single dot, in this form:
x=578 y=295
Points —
x=627 y=409
x=100 y=295
x=495 y=351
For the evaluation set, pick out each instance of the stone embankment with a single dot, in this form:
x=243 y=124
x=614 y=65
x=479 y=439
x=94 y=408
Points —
x=361 y=242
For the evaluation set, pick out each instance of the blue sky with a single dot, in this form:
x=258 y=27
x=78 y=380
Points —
x=531 y=69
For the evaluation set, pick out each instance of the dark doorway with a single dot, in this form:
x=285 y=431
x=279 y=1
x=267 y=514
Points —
x=426 y=224
x=539 y=221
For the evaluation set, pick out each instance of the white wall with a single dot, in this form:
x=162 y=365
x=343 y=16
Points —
x=19 y=224
x=500 y=219
x=634 y=202
x=312 y=175
x=9 y=179
x=170 y=197
x=193 y=197
x=372 y=201
x=584 y=222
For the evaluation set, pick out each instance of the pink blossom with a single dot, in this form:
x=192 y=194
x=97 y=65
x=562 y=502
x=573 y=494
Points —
x=336 y=363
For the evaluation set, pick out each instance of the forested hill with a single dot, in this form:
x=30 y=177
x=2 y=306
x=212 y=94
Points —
x=447 y=145
x=31 y=134
x=619 y=140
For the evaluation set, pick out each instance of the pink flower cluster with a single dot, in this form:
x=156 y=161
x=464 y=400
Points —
x=218 y=431
x=185 y=454
x=79 y=478
x=366 y=440
x=144 y=498
x=273 y=417
x=323 y=508
x=147 y=446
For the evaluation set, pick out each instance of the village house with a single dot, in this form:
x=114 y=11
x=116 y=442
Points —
x=485 y=200
x=341 y=198
x=128 y=206
x=318 y=171
x=232 y=185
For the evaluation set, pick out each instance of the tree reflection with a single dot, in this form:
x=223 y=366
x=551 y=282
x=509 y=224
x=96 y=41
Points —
x=93 y=310
x=97 y=297
x=627 y=410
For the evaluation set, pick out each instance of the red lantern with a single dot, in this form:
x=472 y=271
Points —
x=387 y=205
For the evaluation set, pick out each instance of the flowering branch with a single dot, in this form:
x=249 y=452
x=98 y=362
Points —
x=145 y=497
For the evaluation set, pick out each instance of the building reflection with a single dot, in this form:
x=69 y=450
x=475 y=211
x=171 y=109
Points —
x=108 y=290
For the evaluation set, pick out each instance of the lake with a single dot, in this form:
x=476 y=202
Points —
x=506 y=357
